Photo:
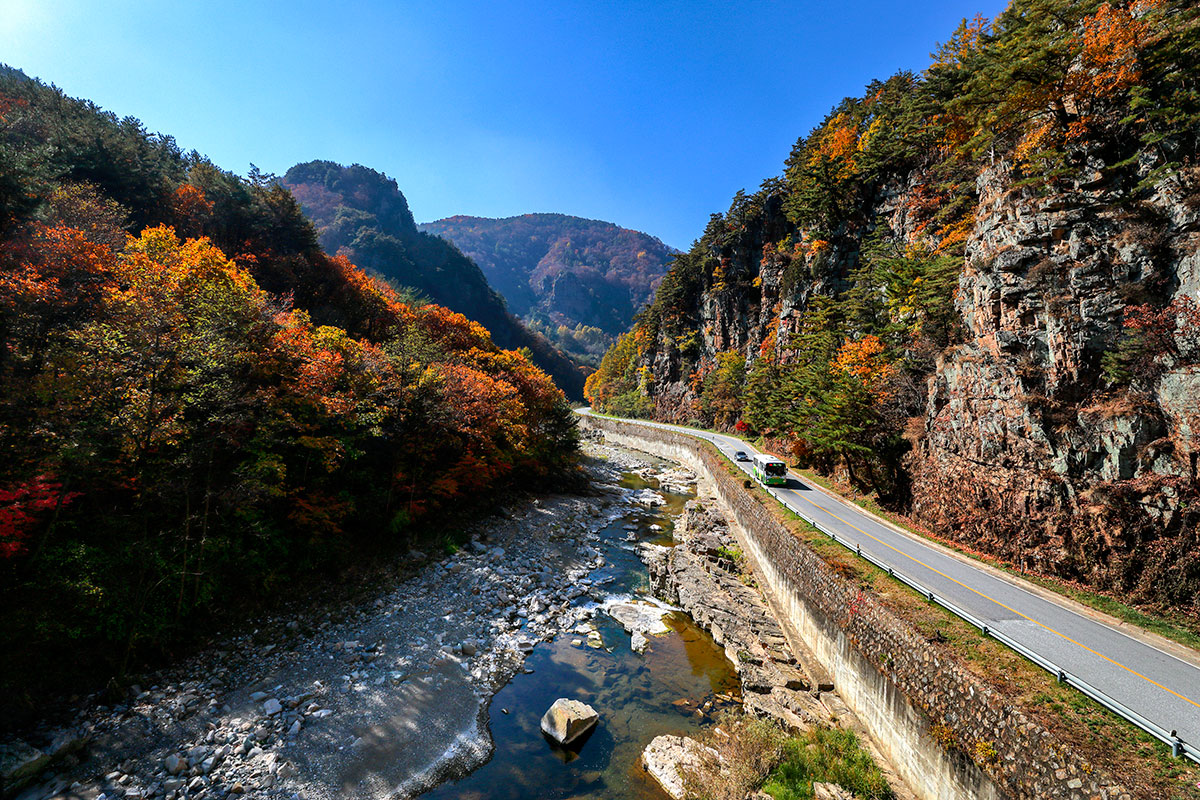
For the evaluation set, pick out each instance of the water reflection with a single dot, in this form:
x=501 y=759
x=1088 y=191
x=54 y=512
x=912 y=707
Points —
x=671 y=688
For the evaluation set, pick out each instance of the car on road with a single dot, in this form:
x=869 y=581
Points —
x=740 y=455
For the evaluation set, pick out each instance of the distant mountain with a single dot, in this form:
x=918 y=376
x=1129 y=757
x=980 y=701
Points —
x=579 y=281
x=362 y=213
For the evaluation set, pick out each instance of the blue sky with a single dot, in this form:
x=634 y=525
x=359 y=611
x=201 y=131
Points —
x=648 y=114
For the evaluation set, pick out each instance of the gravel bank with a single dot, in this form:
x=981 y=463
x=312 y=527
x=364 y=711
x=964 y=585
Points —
x=388 y=697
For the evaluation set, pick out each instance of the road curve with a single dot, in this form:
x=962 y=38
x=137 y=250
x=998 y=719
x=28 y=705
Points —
x=1159 y=686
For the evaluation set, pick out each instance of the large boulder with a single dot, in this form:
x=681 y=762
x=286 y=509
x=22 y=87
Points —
x=669 y=758
x=567 y=720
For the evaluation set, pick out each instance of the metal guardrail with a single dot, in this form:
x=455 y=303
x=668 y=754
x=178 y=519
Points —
x=1179 y=748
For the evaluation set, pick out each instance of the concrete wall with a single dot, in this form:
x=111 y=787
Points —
x=949 y=734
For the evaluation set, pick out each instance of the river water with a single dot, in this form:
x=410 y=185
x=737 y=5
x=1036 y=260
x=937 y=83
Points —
x=675 y=686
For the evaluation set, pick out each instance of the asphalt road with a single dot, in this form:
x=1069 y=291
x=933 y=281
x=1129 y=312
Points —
x=1157 y=685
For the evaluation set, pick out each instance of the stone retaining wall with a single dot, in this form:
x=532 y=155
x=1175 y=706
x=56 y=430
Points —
x=949 y=734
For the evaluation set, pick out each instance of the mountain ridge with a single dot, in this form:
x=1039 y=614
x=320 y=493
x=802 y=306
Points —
x=362 y=213
x=579 y=281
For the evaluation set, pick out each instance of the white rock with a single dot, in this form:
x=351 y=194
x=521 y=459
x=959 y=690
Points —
x=667 y=758
x=640 y=620
x=567 y=720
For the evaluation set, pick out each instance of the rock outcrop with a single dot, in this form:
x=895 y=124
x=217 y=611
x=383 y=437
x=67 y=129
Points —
x=668 y=759
x=1017 y=443
x=1024 y=452
x=640 y=620
x=703 y=576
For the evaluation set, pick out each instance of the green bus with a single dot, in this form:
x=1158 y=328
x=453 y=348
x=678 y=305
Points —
x=769 y=470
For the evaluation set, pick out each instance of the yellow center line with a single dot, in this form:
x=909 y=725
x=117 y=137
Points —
x=1002 y=605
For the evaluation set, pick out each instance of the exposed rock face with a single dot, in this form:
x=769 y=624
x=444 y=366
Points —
x=567 y=720
x=1024 y=454
x=1019 y=445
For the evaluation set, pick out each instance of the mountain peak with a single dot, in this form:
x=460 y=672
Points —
x=579 y=281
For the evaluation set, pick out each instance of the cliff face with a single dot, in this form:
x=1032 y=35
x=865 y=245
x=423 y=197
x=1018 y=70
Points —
x=1019 y=447
x=1025 y=452
x=1002 y=341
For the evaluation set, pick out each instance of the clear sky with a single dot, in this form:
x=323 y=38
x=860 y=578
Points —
x=648 y=114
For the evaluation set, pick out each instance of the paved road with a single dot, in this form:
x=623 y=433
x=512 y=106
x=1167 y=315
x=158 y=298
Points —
x=1153 y=683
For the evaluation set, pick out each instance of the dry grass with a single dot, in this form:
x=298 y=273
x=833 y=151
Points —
x=745 y=750
x=753 y=754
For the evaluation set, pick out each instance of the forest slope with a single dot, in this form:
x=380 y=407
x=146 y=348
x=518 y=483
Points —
x=198 y=404
x=361 y=213
x=974 y=291
x=578 y=281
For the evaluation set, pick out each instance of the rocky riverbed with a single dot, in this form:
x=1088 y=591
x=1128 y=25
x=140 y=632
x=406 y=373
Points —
x=705 y=574
x=385 y=698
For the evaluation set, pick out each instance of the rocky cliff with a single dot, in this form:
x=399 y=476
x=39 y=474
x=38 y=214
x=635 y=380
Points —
x=987 y=316
x=1026 y=449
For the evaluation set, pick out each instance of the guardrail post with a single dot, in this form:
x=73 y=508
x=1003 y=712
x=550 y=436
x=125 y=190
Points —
x=986 y=632
x=1176 y=745
x=1062 y=676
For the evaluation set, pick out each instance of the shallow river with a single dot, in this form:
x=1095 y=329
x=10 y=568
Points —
x=638 y=696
